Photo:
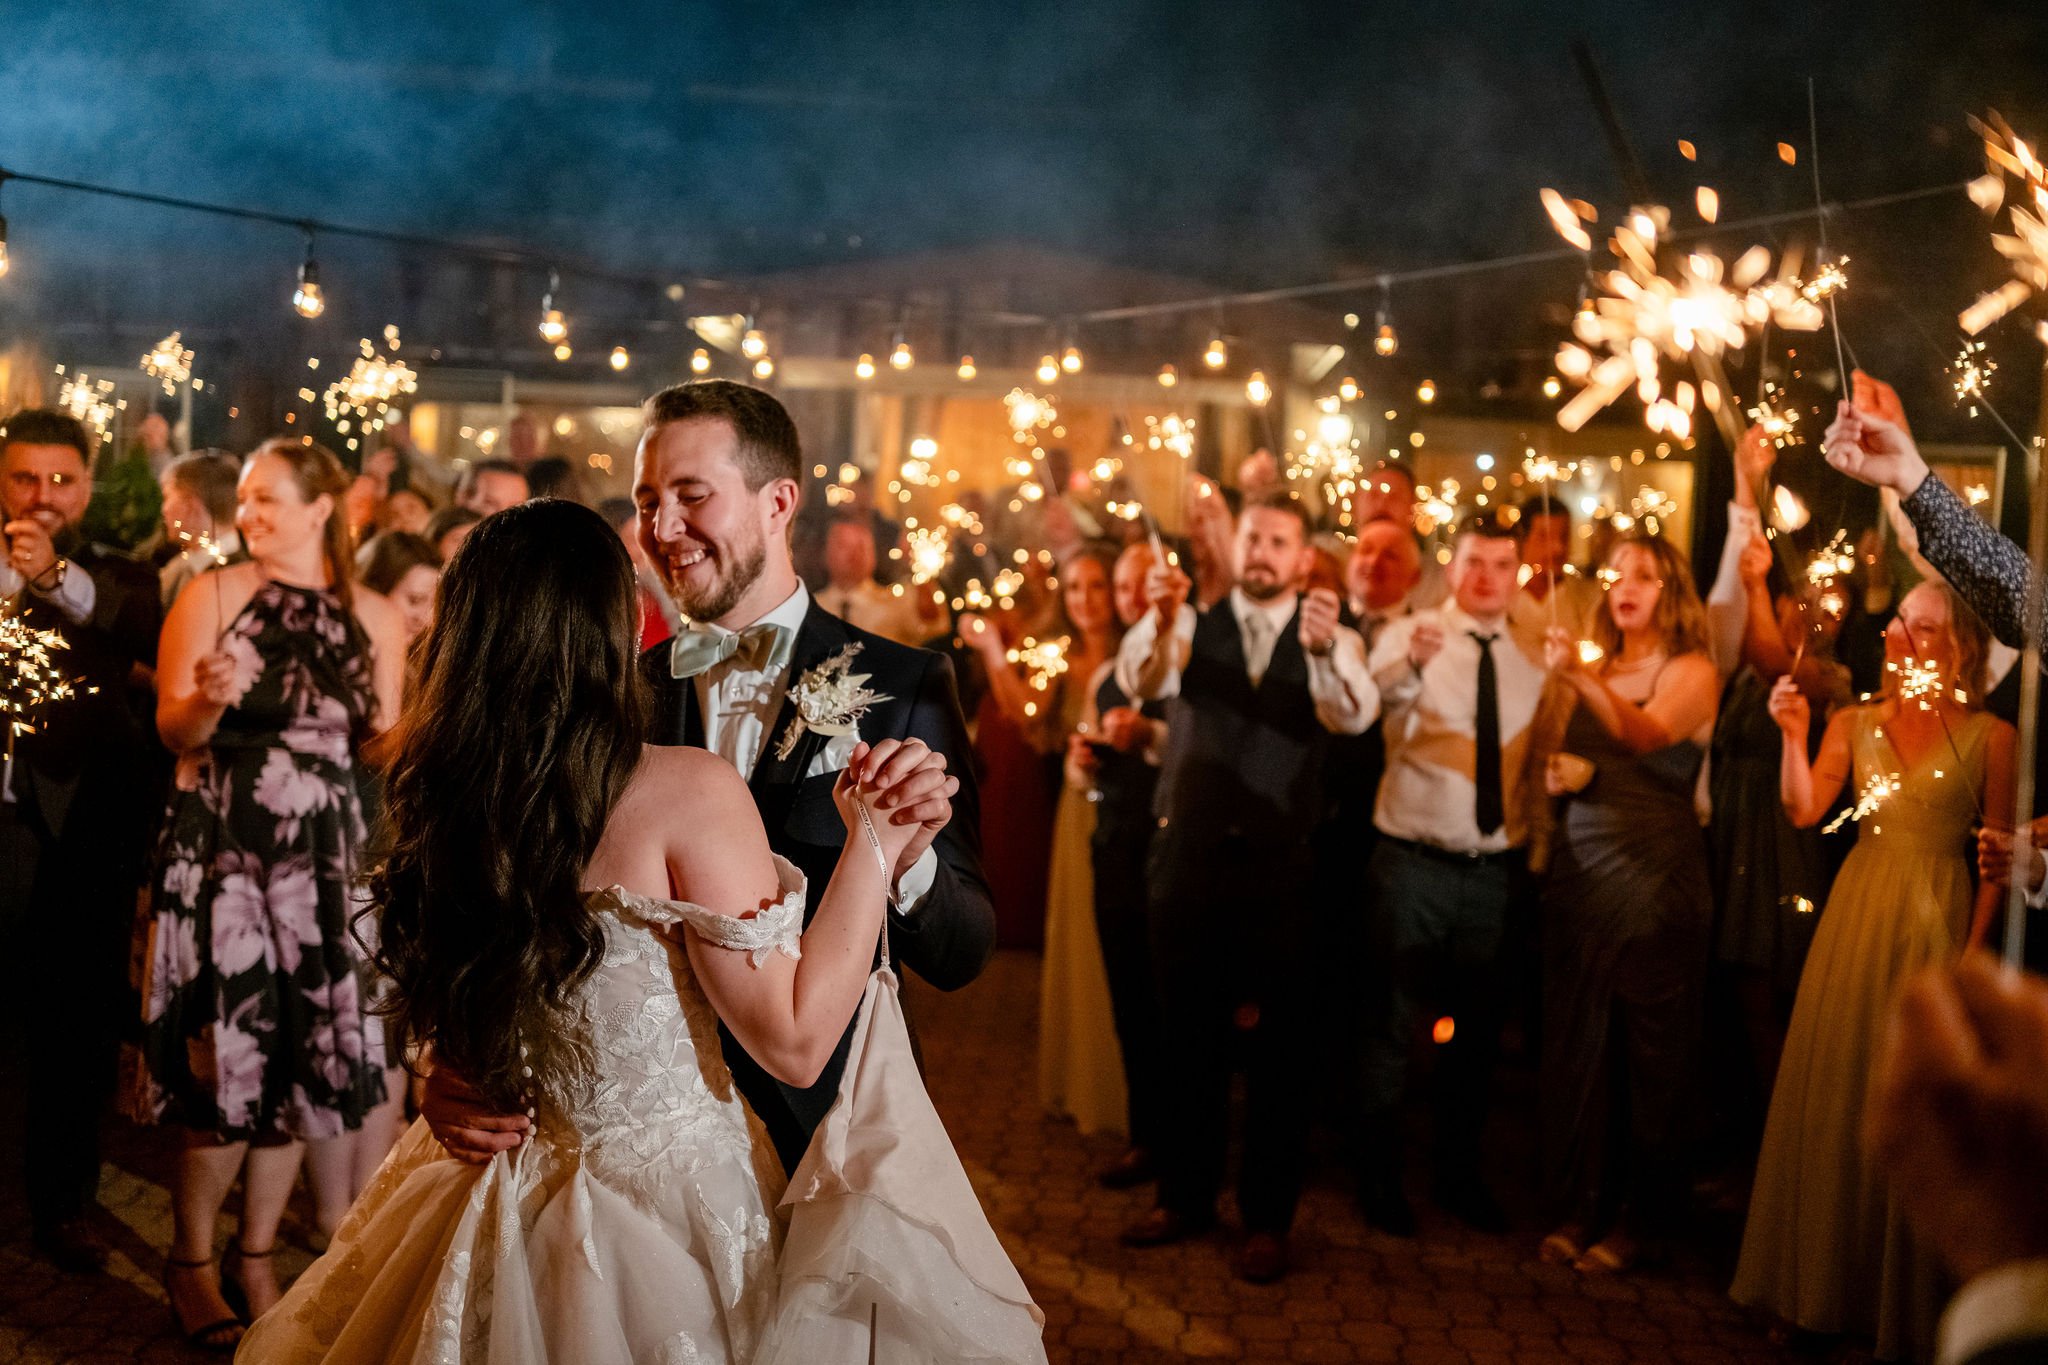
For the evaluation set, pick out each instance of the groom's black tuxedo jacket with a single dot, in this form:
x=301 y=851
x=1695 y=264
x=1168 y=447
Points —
x=948 y=937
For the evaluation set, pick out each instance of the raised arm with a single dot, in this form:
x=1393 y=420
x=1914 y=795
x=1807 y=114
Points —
x=1808 y=788
x=1154 y=651
x=1681 y=704
x=788 y=1013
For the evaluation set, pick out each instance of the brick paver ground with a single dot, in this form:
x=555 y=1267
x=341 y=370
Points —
x=1449 y=1296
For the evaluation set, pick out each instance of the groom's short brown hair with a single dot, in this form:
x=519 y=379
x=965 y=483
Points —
x=768 y=444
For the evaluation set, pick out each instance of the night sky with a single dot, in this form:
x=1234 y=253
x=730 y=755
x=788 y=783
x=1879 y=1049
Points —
x=1245 y=145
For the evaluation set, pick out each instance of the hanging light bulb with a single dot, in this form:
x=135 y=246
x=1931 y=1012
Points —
x=562 y=351
x=621 y=358
x=1257 y=389
x=864 y=368
x=1348 y=390
x=1048 y=369
x=1384 y=340
x=1551 y=387
x=900 y=357
x=1168 y=376
x=753 y=345
x=763 y=368
x=1218 y=355
x=966 y=367
x=554 y=328
x=1070 y=360
x=1425 y=392
x=700 y=361
x=307 y=300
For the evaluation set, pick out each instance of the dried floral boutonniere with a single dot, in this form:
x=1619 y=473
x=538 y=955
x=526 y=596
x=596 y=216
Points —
x=830 y=700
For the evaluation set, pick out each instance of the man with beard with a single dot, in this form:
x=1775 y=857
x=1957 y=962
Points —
x=717 y=480
x=80 y=801
x=1259 y=682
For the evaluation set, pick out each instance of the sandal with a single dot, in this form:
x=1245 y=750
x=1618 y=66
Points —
x=1562 y=1247
x=222 y=1334
x=231 y=1287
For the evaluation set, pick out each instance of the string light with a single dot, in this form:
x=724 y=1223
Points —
x=900 y=357
x=1168 y=376
x=1048 y=369
x=1070 y=360
x=1552 y=387
x=1425 y=392
x=1257 y=389
x=1348 y=389
x=864 y=368
x=562 y=350
x=308 y=300
x=554 y=328
x=753 y=345
x=966 y=370
x=1384 y=340
x=621 y=358
x=1218 y=355
x=700 y=361
x=764 y=368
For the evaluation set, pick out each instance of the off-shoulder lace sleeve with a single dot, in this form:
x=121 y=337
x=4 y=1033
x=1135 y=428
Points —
x=776 y=928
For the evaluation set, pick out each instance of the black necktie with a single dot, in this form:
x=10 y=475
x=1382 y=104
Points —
x=1486 y=805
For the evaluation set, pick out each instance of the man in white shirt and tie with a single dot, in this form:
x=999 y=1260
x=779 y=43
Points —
x=853 y=595
x=1259 y=682
x=1458 y=694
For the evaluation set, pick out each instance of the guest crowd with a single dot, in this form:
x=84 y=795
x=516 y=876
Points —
x=1357 y=823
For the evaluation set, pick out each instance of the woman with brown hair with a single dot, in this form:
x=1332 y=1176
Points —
x=257 y=1036
x=1627 y=907
x=1827 y=1247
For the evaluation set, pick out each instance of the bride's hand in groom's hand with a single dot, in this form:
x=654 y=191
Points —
x=910 y=790
x=464 y=1123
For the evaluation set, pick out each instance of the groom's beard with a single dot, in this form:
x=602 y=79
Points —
x=723 y=593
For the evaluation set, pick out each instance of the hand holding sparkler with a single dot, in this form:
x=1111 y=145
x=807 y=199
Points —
x=1560 y=651
x=1791 y=710
x=1425 y=642
x=1320 y=613
x=1874 y=450
x=220 y=680
x=1755 y=564
x=1126 y=729
x=29 y=548
x=1166 y=588
x=1995 y=855
x=1756 y=454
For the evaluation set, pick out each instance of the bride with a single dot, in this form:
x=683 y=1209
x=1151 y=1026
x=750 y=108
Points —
x=566 y=915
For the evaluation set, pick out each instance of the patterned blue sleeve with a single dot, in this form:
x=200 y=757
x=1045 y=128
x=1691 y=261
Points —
x=1989 y=571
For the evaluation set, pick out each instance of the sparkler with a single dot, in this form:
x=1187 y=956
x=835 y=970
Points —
x=366 y=392
x=1041 y=660
x=1877 y=789
x=30 y=679
x=2026 y=246
x=1970 y=373
x=1833 y=560
x=86 y=399
x=168 y=362
x=1777 y=417
x=1828 y=279
x=931 y=550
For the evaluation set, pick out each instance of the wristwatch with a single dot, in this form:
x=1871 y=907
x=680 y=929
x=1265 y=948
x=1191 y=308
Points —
x=55 y=574
x=1321 y=649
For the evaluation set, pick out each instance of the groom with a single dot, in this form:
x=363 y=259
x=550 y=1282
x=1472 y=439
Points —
x=717 y=480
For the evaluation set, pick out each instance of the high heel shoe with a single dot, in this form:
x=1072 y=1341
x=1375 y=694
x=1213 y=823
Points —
x=221 y=1334
x=232 y=1288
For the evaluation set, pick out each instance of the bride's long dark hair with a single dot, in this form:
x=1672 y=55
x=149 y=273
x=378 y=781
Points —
x=525 y=731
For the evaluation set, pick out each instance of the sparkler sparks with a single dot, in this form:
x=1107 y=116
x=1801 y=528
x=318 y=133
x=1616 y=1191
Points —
x=1832 y=561
x=1041 y=660
x=1642 y=316
x=88 y=400
x=367 y=391
x=1970 y=373
x=2025 y=248
x=169 y=362
x=30 y=679
x=931 y=550
x=1879 y=788
x=1777 y=417
x=1827 y=280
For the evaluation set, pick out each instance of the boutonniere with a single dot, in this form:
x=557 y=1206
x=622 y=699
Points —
x=830 y=700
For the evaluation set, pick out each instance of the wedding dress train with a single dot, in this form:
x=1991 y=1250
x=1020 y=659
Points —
x=639 y=1224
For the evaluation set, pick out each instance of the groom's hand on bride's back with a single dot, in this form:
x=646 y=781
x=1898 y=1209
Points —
x=463 y=1121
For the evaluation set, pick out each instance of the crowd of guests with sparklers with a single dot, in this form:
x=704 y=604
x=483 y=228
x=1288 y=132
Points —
x=1316 y=807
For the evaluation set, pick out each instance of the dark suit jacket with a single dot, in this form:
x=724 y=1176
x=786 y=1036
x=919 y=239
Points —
x=949 y=936
x=100 y=746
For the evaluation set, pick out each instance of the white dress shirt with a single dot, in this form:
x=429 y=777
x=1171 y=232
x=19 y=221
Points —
x=1148 y=665
x=875 y=609
x=75 y=596
x=1428 y=794
x=739 y=705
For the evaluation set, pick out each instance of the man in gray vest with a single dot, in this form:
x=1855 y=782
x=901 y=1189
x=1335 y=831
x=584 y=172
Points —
x=1259 y=682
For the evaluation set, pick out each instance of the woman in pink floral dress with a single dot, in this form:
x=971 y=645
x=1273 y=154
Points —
x=257 y=1033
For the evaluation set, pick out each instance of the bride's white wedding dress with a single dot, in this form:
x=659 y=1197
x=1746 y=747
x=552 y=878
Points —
x=639 y=1223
